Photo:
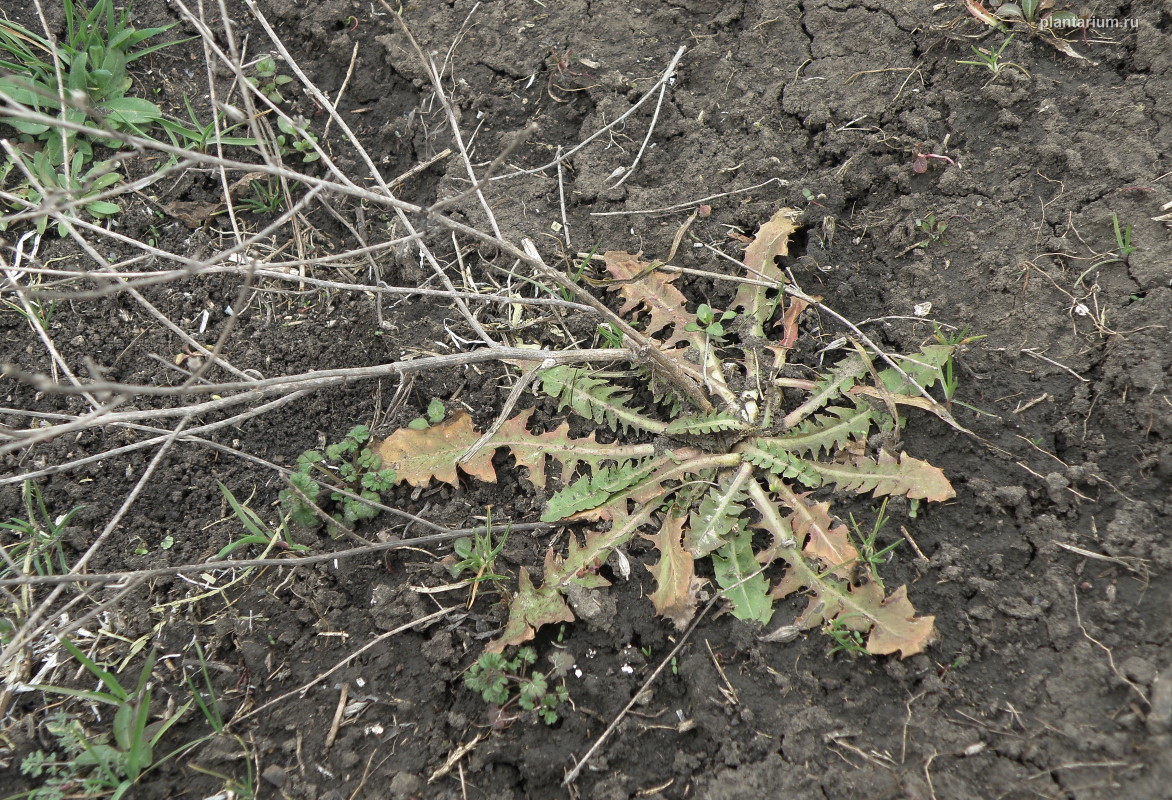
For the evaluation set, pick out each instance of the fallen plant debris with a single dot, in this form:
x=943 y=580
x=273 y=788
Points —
x=734 y=484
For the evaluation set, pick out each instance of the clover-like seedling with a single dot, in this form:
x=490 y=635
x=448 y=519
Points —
x=268 y=81
x=349 y=465
x=435 y=415
x=709 y=323
x=503 y=682
x=296 y=138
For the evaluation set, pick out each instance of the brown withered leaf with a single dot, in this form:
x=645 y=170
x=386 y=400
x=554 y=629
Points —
x=886 y=475
x=896 y=628
x=192 y=213
x=891 y=621
x=419 y=456
x=823 y=537
x=789 y=322
x=435 y=452
x=653 y=290
x=676 y=593
x=772 y=240
x=531 y=608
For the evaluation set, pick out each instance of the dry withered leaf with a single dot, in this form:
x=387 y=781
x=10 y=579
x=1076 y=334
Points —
x=419 y=456
x=192 y=213
x=675 y=596
x=772 y=240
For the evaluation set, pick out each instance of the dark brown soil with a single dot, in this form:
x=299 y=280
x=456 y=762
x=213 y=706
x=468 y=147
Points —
x=1048 y=574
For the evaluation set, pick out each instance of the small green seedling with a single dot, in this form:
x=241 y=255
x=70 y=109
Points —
x=1124 y=249
x=477 y=555
x=95 y=766
x=265 y=197
x=709 y=323
x=268 y=81
x=38 y=548
x=295 y=138
x=846 y=639
x=38 y=311
x=991 y=60
x=949 y=380
x=435 y=415
x=259 y=533
x=609 y=336
x=200 y=136
x=67 y=190
x=870 y=555
x=576 y=272
x=932 y=228
x=1122 y=238
x=203 y=694
x=350 y=466
x=502 y=682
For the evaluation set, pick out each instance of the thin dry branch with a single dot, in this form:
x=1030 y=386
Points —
x=32 y=628
x=322 y=378
x=284 y=561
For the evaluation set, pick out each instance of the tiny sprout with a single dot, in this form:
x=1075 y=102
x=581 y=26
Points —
x=435 y=415
x=709 y=323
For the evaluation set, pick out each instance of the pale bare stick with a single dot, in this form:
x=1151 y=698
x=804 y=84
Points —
x=324 y=378
x=123 y=417
x=562 y=199
x=275 y=274
x=663 y=79
x=643 y=148
x=1110 y=656
x=453 y=122
x=513 y=142
x=665 y=365
x=342 y=89
x=445 y=535
x=716 y=276
x=322 y=100
x=456 y=39
x=572 y=775
x=690 y=203
x=301 y=690
x=519 y=387
x=647 y=350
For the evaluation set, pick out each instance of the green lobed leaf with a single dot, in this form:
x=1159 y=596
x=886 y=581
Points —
x=781 y=462
x=829 y=430
x=595 y=489
x=595 y=399
x=717 y=517
x=706 y=424
x=739 y=574
x=925 y=367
